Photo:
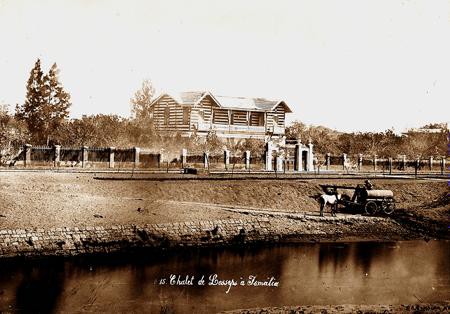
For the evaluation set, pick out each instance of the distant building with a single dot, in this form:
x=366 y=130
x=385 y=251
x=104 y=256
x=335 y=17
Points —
x=228 y=117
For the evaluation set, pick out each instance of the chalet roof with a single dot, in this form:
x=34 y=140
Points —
x=227 y=102
x=246 y=103
x=187 y=98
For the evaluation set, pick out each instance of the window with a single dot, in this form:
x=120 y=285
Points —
x=257 y=118
x=239 y=118
x=166 y=115
x=185 y=115
x=261 y=119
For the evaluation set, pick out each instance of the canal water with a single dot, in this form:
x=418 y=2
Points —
x=303 y=274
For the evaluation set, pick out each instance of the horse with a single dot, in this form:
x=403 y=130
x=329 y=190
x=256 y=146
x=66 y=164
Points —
x=331 y=200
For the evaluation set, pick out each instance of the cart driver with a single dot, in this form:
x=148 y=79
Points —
x=368 y=185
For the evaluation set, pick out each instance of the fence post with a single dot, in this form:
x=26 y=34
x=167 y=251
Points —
x=390 y=165
x=247 y=159
x=183 y=157
x=206 y=160
x=27 y=155
x=417 y=166
x=344 y=160
x=269 y=156
x=298 y=156
x=57 y=155
x=404 y=162
x=111 y=157
x=226 y=158
x=328 y=160
x=161 y=158
x=137 y=151
x=310 y=163
x=374 y=162
x=360 y=161
x=279 y=163
x=84 y=156
x=430 y=163
x=442 y=165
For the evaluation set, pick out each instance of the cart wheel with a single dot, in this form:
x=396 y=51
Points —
x=389 y=208
x=371 y=208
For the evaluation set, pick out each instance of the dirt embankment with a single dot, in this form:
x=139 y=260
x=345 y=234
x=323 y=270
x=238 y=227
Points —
x=431 y=218
x=49 y=200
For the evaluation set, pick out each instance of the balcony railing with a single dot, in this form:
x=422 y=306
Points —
x=230 y=128
x=276 y=130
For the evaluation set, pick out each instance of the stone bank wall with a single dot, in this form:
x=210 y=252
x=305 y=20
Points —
x=254 y=229
x=75 y=241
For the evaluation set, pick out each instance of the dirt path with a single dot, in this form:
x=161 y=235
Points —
x=46 y=199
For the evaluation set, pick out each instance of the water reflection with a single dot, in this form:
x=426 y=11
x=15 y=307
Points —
x=366 y=255
x=336 y=255
x=339 y=273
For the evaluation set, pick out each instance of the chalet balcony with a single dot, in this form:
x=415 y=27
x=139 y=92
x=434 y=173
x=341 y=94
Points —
x=231 y=128
x=277 y=130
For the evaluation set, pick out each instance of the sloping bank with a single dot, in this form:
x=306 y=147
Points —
x=251 y=230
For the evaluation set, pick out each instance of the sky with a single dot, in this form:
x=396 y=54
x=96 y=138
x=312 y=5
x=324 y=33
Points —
x=359 y=65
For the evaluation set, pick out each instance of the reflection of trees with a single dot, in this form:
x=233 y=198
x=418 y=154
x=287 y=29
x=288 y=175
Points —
x=332 y=254
x=367 y=253
x=441 y=251
x=40 y=286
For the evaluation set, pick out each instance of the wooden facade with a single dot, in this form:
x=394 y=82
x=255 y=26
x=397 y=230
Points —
x=229 y=117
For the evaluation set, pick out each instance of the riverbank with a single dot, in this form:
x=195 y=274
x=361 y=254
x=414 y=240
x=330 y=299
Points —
x=69 y=214
x=258 y=229
x=349 y=308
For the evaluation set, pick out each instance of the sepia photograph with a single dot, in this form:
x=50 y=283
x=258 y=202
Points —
x=211 y=156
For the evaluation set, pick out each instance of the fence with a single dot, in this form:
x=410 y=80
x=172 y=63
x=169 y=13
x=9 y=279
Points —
x=85 y=157
x=258 y=161
x=364 y=163
x=111 y=157
x=43 y=154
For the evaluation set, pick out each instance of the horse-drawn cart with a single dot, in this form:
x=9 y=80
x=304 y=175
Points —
x=363 y=200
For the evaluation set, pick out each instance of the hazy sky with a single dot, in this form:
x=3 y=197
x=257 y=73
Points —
x=350 y=65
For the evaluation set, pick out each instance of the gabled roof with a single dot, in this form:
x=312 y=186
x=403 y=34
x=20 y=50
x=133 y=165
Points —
x=226 y=102
x=184 y=98
x=187 y=98
x=249 y=103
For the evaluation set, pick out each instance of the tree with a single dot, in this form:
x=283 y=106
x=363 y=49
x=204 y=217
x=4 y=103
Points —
x=296 y=130
x=212 y=143
x=5 y=131
x=13 y=134
x=141 y=126
x=46 y=105
x=140 y=103
x=30 y=110
x=57 y=104
x=323 y=138
x=96 y=131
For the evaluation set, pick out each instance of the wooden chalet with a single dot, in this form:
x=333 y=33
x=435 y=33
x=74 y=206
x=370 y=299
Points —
x=228 y=117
